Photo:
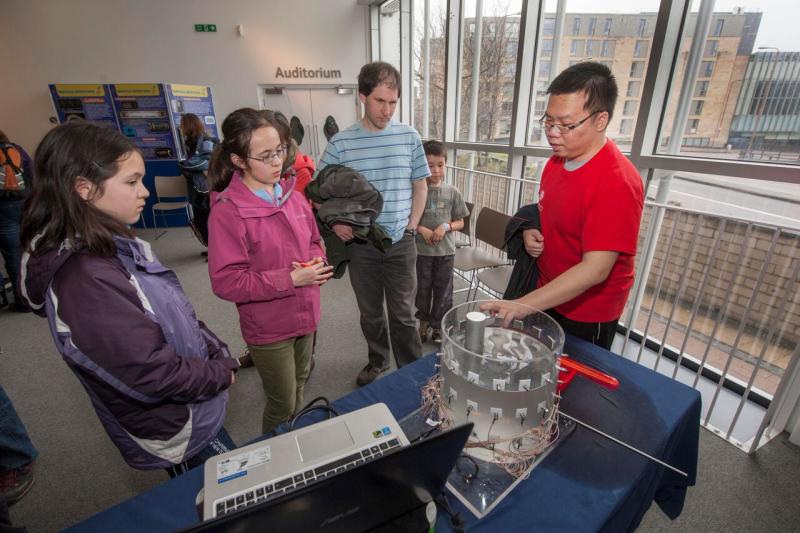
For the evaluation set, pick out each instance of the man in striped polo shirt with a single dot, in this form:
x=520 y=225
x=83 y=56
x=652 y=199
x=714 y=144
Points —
x=390 y=156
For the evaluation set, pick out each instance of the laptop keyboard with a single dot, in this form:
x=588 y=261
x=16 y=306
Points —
x=274 y=489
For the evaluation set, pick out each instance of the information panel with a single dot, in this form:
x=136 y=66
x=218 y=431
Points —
x=194 y=99
x=84 y=101
x=144 y=117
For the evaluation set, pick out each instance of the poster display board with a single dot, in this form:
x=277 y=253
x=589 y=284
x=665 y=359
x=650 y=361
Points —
x=149 y=114
x=194 y=99
x=144 y=117
x=85 y=101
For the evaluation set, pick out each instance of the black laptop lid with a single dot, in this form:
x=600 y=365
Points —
x=359 y=499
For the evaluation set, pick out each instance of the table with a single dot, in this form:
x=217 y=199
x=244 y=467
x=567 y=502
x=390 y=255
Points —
x=587 y=483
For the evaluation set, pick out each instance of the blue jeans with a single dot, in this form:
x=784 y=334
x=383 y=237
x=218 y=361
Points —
x=222 y=443
x=10 y=216
x=16 y=448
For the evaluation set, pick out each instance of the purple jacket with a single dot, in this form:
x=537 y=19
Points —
x=251 y=246
x=155 y=375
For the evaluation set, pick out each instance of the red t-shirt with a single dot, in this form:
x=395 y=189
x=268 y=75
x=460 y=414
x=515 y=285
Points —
x=597 y=207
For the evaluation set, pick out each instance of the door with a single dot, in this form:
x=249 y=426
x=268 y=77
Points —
x=312 y=106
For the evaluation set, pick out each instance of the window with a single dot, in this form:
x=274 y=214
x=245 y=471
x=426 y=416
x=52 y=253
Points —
x=576 y=47
x=607 y=27
x=592 y=47
x=630 y=108
x=544 y=69
x=549 y=27
x=640 y=49
x=633 y=88
x=576 y=26
x=547 y=47
x=498 y=45
x=711 y=48
x=706 y=69
x=642 y=27
x=511 y=49
x=608 y=49
x=637 y=69
x=701 y=89
x=718 y=27
x=692 y=125
x=626 y=126
x=697 y=107
x=592 y=25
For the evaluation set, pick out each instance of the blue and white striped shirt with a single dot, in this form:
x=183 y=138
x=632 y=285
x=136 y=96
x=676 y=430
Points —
x=390 y=159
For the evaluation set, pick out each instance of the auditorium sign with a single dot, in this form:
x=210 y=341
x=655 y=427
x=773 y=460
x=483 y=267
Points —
x=305 y=73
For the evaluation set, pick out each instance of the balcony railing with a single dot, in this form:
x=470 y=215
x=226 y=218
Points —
x=718 y=310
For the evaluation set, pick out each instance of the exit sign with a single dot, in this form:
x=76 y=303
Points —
x=205 y=27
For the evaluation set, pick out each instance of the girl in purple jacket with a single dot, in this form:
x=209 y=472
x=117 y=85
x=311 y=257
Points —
x=156 y=376
x=265 y=254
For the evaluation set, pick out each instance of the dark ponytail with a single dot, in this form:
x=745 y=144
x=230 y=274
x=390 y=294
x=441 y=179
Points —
x=237 y=129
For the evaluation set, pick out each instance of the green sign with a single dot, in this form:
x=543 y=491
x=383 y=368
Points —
x=205 y=27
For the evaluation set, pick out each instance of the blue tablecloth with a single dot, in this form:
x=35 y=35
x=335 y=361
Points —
x=587 y=483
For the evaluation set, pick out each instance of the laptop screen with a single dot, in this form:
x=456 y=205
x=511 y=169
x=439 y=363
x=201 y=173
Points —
x=361 y=498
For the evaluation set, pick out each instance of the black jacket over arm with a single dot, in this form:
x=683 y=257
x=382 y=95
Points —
x=525 y=272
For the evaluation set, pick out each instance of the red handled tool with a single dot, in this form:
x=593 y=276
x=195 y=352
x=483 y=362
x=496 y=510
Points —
x=569 y=368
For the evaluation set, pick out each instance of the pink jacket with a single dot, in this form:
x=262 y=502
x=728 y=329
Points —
x=250 y=252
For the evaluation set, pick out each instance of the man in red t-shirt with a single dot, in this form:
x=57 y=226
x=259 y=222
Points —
x=590 y=206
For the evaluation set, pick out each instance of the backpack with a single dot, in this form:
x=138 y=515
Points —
x=195 y=167
x=12 y=177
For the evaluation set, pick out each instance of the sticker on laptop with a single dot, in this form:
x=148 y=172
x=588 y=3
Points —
x=378 y=433
x=237 y=465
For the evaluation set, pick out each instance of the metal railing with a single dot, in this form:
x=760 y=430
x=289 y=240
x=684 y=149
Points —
x=718 y=309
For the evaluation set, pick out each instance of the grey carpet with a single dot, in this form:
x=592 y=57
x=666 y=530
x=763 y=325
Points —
x=79 y=471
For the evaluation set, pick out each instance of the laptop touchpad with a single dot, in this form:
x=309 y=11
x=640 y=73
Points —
x=323 y=441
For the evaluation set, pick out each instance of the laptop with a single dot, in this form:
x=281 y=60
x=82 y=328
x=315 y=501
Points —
x=360 y=497
x=266 y=469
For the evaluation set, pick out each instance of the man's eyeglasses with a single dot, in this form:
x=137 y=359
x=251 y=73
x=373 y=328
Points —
x=270 y=157
x=563 y=128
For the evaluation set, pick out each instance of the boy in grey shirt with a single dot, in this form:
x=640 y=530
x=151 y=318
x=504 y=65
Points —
x=444 y=213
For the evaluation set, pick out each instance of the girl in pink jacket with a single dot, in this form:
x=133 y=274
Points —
x=265 y=254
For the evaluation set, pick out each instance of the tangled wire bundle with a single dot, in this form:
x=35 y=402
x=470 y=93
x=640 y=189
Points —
x=515 y=453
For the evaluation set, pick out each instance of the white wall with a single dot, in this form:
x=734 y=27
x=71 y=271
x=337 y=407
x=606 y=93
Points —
x=141 y=41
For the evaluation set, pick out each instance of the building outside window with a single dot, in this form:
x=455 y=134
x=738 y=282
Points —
x=692 y=125
x=577 y=46
x=642 y=27
x=630 y=108
x=697 y=107
x=637 y=69
x=592 y=47
x=707 y=69
x=711 y=48
x=576 y=26
x=608 y=49
x=592 y=25
x=625 y=126
x=633 y=88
